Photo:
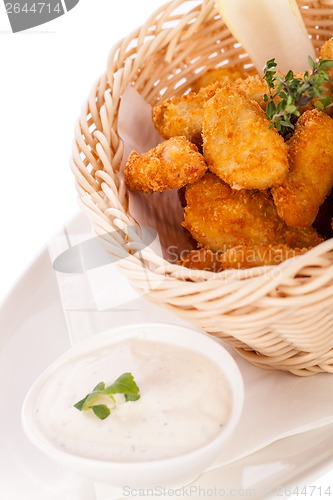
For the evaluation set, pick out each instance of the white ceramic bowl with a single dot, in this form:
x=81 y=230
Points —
x=169 y=472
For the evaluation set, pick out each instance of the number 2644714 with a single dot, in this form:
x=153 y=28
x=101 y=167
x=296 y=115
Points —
x=35 y=8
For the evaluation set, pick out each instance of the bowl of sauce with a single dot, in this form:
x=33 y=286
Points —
x=146 y=404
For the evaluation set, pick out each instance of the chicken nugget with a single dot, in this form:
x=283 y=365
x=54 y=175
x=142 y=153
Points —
x=219 y=217
x=226 y=75
x=326 y=52
x=254 y=87
x=202 y=260
x=306 y=237
x=170 y=165
x=238 y=144
x=311 y=170
x=183 y=115
x=241 y=257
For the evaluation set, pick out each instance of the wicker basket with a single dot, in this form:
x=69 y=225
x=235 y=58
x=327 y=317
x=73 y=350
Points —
x=276 y=317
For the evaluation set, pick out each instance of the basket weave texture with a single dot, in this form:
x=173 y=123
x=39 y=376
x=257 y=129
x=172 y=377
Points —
x=277 y=317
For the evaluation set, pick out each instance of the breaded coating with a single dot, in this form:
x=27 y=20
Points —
x=239 y=257
x=254 y=87
x=326 y=52
x=202 y=260
x=226 y=75
x=238 y=144
x=311 y=170
x=219 y=217
x=306 y=237
x=261 y=255
x=170 y=165
x=183 y=115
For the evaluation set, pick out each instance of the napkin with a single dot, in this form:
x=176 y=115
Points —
x=97 y=297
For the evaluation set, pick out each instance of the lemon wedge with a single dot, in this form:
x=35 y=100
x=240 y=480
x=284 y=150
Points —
x=267 y=29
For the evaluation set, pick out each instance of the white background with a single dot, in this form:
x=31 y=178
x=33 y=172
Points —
x=46 y=75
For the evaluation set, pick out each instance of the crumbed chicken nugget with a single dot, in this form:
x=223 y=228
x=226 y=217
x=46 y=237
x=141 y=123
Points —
x=307 y=237
x=183 y=115
x=238 y=144
x=170 y=165
x=219 y=217
x=226 y=75
x=254 y=87
x=326 y=52
x=311 y=170
x=260 y=255
x=239 y=257
x=202 y=260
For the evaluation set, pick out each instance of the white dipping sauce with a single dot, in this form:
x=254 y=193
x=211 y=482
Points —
x=185 y=400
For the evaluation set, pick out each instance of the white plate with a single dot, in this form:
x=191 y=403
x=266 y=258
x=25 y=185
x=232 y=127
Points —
x=34 y=333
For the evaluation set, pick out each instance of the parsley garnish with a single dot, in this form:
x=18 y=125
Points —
x=294 y=93
x=97 y=399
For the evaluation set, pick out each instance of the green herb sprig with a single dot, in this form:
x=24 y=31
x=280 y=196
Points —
x=294 y=93
x=96 y=400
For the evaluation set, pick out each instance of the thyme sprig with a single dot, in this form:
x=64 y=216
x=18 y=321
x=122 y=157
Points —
x=289 y=93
